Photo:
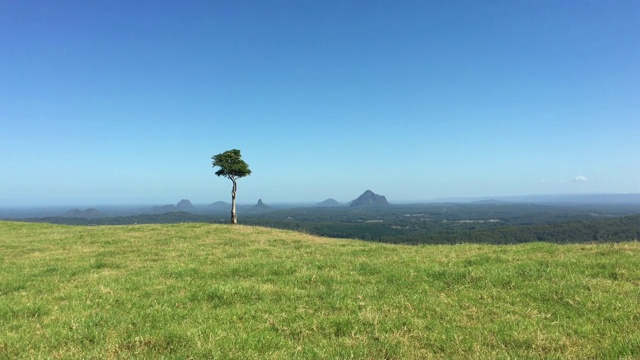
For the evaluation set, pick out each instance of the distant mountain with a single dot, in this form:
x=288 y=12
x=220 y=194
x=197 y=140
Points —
x=220 y=205
x=85 y=214
x=184 y=205
x=368 y=198
x=328 y=203
x=260 y=207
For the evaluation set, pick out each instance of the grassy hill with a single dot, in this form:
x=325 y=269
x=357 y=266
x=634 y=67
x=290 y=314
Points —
x=216 y=291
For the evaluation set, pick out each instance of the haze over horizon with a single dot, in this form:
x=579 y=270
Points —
x=125 y=102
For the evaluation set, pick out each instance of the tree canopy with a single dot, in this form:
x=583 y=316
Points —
x=231 y=165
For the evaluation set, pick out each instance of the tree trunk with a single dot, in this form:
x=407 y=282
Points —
x=234 y=217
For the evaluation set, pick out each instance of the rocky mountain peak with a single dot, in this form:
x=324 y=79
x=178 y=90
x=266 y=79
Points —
x=369 y=198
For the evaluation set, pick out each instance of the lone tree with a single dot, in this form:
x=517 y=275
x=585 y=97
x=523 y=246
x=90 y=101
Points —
x=233 y=167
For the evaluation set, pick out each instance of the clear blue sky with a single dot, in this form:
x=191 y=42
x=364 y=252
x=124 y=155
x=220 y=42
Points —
x=120 y=102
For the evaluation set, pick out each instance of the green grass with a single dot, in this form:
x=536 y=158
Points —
x=217 y=291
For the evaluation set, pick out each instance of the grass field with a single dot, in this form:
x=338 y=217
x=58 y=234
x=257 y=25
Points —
x=217 y=291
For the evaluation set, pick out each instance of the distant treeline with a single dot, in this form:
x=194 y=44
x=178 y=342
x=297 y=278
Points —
x=595 y=230
x=579 y=231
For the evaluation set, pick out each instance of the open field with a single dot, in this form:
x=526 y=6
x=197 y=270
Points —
x=216 y=291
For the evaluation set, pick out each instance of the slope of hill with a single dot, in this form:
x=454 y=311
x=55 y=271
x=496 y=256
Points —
x=206 y=291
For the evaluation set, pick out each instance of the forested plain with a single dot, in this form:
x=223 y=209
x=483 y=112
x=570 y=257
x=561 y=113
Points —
x=482 y=223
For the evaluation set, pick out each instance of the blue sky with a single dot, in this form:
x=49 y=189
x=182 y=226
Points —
x=125 y=102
